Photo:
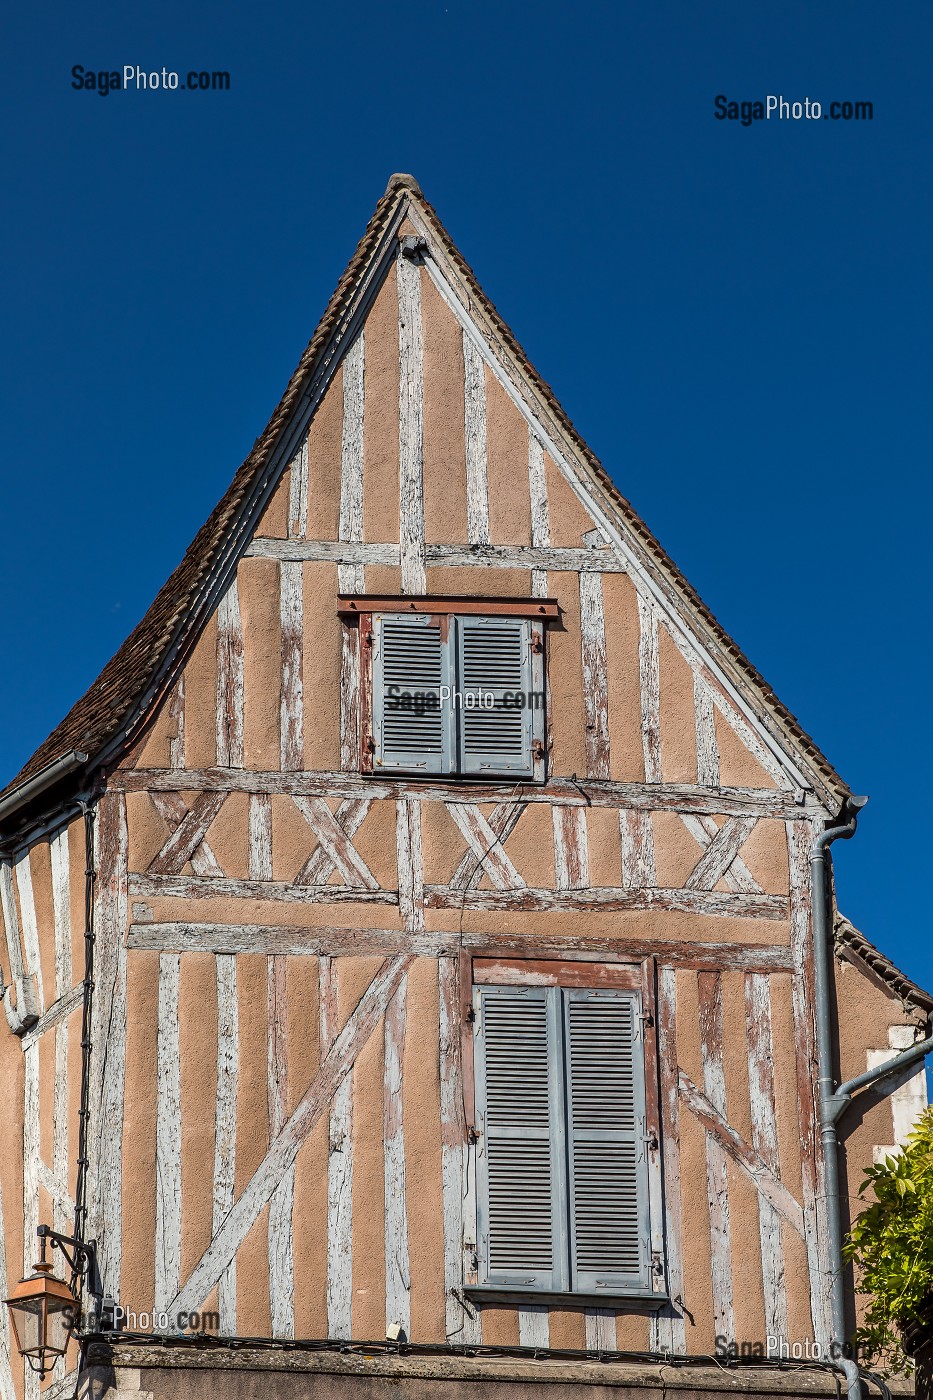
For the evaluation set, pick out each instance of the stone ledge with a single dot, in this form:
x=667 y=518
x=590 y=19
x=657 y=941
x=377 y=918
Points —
x=509 y=1371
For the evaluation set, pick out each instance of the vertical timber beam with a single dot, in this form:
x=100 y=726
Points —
x=411 y=424
x=709 y=986
x=474 y=415
x=228 y=1066
x=765 y=1143
x=339 y=1170
x=168 y=1136
x=108 y=1040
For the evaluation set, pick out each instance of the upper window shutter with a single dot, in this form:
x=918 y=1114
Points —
x=521 y=1154
x=411 y=659
x=494 y=666
x=609 y=1222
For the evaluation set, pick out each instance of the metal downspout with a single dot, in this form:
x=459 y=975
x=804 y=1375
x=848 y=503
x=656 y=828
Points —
x=824 y=1038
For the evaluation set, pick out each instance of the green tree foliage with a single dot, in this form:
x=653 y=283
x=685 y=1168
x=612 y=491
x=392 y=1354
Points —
x=891 y=1245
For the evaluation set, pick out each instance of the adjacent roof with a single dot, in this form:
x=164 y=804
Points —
x=855 y=948
x=123 y=697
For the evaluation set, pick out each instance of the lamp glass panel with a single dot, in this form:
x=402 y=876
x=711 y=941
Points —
x=28 y=1316
x=59 y=1324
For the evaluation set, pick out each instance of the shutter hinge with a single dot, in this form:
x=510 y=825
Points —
x=369 y=744
x=537 y=643
x=471 y=1013
x=646 y=1018
x=473 y=1133
x=537 y=749
x=368 y=638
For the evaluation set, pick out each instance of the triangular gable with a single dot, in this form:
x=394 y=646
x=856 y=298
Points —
x=120 y=703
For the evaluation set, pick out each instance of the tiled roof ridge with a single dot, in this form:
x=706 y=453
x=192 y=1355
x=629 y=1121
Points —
x=857 y=946
x=97 y=717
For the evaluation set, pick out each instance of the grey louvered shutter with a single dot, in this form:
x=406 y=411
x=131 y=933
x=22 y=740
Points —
x=609 y=1224
x=494 y=655
x=411 y=662
x=521 y=1203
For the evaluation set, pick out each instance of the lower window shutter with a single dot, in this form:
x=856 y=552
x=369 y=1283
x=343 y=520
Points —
x=412 y=725
x=496 y=717
x=521 y=1152
x=609 y=1223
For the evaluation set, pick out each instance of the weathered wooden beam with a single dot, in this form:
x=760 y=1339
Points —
x=463 y=1323
x=57 y=1013
x=540 y=513
x=176 y=710
x=712 y=902
x=173 y=810
x=644 y=797
x=703 y=829
x=285 y=1147
x=108 y=1035
x=204 y=887
x=720 y=853
x=287 y=940
x=281 y=1204
x=709 y=989
x=502 y=821
x=333 y=837
x=230 y=680
x=474 y=416
x=298 y=493
x=348 y=816
x=557 y=558
x=228 y=1069
x=291 y=696
x=595 y=676
x=180 y=847
x=168 y=1135
x=340 y=552
x=650 y=686
x=707 y=744
x=350 y=526
x=744 y=1156
x=411 y=425
x=571 y=852
x=486 y=845
x=668 y=1330
x=397 y=1262
x=29 y=923
x=410 y=865
x=63 y=1206
x=259 y=838
x=339 y=1170
x=765 y=1143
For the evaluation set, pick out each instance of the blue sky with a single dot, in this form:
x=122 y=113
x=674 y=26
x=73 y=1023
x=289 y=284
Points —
x=737 y=318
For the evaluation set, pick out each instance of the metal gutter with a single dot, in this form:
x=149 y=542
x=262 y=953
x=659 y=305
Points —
x=40 y=782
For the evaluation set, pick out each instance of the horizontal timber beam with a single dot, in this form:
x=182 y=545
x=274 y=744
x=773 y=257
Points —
x=449 y=556
x=215 y=887
x=725 y=905
x=643 y=797
x=285 y=939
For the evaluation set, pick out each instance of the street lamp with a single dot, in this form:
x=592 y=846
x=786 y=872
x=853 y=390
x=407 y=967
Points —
x=43 y=1309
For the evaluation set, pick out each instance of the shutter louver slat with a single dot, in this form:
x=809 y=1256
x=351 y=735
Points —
x=495 y=661
x=520 y=1160
x=608 y=1187
x=413 y=728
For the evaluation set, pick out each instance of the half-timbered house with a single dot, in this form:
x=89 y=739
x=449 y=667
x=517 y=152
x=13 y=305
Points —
x=408 y=935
